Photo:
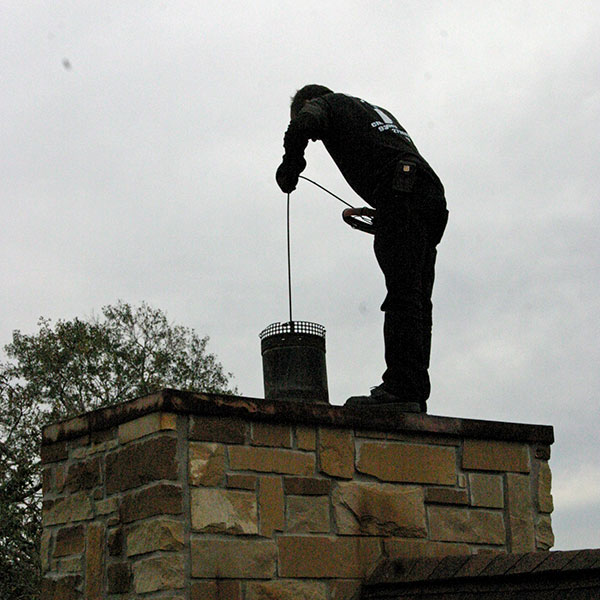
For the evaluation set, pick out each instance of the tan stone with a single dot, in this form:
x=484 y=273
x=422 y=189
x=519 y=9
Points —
x=345 y=589
x=320 y=556
x=224 y=511
x=220 y=589
x=287 y=590
x=487 y=491
x=45 y=550
x=157 y=534
x=450 y=524
x=411 y=463
x=336 y=452
x=544 y=537
x=444 y=495
x=146 y=425
x=106 y=507
x=306 y=438
x=70 y=565
x=69 y=540
x=308 y=514
x=94 y=559
x=77 y=507
x=271 y=505
x=233 y=558
x=379 y=509
x=490 y=455
x=402 y=548
x=270 y=434
x=545 y=501
x=520 y=513
x=164 y=572
x=206 y=464
x=271 y=460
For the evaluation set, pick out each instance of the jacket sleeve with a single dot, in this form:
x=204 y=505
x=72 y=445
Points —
x=310 y=123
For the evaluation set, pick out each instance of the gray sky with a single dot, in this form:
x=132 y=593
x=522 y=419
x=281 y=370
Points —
x=139 y=144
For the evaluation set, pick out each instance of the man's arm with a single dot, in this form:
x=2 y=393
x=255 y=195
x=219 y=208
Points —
x=310 y=123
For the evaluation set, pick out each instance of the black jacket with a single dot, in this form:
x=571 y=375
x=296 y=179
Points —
x=365 y=141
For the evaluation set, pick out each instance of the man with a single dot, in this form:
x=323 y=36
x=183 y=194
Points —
x=380 y=162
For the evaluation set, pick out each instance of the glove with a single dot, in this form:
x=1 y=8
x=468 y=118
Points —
x=287 y=175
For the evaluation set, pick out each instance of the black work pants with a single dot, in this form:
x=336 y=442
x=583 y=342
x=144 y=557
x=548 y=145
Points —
x=408 y=227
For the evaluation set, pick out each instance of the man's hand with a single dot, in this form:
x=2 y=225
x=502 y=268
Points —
x=287 y=175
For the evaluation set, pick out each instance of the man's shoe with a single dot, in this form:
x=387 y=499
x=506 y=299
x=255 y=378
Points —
x=380 y=397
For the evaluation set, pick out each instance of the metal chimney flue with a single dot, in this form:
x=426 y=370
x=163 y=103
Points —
x=293 y=356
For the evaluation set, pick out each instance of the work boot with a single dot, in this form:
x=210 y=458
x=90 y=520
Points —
x=381 y=397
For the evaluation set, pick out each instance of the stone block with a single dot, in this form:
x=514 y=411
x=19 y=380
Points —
x=220 y=589
x=336 y=452
x=206 y=464
x=544 y=489
x=487 y=490
x=490 y=455
x=345 y=589
x=242 y=482
x=165 y=572
x=69 y=540
x=327 y=557
x=94 y=560
x=45 y=543
x=520 y=513
x=158 y=534
x=233 y=558
x=411 y=548
x=114 y=541
x=307 y=486
x=379 y=509
x=77 y=507
x=146 y=425
x=308 y=514
x=451 y=524
x=83 y=475
x=544 y=536
x=224 y=511
x=119 y=578
x=218 y=429
x=440 y=495
x=271 y=460
x=306 y=438
x=54 y=452
x=61 y=588
x=411 y=463
x=106 y=507
x=159 y=499
x=140 y=463
x=271 y=505
x=270 y=434
x=70 y=565
x=287 y=590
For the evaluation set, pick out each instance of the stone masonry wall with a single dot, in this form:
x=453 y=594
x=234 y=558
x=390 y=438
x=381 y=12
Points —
x=202 y=497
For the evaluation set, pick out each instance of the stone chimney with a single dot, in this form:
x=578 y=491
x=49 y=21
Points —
x=206 y=497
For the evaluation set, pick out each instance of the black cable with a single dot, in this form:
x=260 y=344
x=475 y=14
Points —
x=289 y=258
x=326 y=190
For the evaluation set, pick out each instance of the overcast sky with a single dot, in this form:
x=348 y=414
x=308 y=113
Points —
x=139 y=144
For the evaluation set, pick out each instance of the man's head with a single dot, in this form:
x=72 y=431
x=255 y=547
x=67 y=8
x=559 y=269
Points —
x=308 y=92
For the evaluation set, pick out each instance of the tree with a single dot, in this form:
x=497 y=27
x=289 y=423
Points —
x=66 y=369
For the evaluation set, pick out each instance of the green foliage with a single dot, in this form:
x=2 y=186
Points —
x=66 y=369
